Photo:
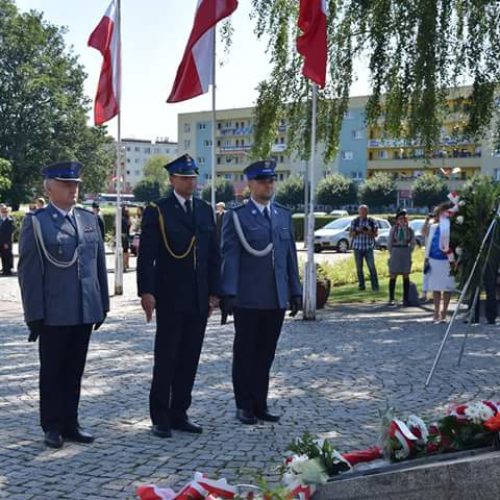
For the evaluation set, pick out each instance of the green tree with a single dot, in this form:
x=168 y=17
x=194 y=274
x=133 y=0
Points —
x=147 y=190
x=224 y=191
x=290 y=192
x=429 y=190
x=336 y=190
x=155 y=169
x=414 y=51
x=43 y=106
x=5 y=175
x=378 y=191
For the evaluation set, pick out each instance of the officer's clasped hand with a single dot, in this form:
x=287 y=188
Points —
x=35 y=328
x=295 y=305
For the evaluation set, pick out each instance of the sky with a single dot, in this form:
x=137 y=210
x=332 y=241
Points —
x=154 y=36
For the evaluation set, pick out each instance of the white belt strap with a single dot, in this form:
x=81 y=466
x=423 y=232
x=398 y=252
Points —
x=61 y=264
x=244 y=243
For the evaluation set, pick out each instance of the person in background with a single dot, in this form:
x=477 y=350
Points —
x=425 y=233
x=126 y=223
x=437 y=253
x=363 y=233
x=6 y=233
x=40 y=203
x=96 y=209
x=400 y=244
x=220 y=210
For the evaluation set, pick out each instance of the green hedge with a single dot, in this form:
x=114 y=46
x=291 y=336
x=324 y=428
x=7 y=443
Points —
x=319 y=221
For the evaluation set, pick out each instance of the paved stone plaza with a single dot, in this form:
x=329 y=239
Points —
x=330 y=377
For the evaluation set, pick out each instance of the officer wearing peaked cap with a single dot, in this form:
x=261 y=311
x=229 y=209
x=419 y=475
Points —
x=64 y=288
x=178 y=275
x=259 y=280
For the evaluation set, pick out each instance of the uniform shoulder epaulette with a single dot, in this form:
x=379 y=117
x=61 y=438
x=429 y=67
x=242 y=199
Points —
x=281 y=206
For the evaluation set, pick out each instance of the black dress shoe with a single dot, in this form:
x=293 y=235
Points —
x=267 y=417
x=78 y=436
x=53 y=439
x=186 y=426
x=161 y=431
x=246 y=417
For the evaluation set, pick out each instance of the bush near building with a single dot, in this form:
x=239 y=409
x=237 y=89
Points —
x=336 y=191
x=378 y=191
x=429 y=190
x=147 y=190
x=290 y=192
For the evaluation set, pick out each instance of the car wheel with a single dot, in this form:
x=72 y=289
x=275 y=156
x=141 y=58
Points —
x=343 y=246
x=317 y=248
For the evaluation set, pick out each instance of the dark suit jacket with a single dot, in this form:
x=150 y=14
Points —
x=181 y=285
x=6 y=231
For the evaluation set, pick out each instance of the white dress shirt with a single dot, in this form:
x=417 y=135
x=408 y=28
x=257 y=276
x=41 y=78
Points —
x=183 y=200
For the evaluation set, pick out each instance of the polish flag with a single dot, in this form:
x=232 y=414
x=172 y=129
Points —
x=312 y=44
x=106 y=39
x=195 y=72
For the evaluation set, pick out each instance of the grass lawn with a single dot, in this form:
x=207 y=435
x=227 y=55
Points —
x=350 y=294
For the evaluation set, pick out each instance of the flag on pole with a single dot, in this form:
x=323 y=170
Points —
x=106 y=39
x=312 y=44
x=195 y=72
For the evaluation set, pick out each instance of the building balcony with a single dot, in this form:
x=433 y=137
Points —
x=234 y=132
x=420 y=164
x=234 y=149
x=278 y=148
x=413 y=143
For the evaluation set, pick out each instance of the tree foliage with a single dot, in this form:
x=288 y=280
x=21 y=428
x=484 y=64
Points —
x=5 y=176
x=415 y=51
x=146 y=190
x=378 y=191
x=43 y=107
x=155 y=169
x=224 y=191
x=336 y=190
x=290 y=192
x=429 y=190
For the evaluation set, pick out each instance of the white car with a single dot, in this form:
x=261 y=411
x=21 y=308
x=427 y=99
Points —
x=335 y=235
x=339 y=213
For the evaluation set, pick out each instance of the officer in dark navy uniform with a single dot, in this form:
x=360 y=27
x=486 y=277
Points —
x=259 y=279
x=178 y=275
x=62 y=274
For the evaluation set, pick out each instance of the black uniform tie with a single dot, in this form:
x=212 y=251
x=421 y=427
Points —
x=267 y=215
x=187 y=205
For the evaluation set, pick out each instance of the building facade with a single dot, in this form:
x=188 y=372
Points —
x=136 y=153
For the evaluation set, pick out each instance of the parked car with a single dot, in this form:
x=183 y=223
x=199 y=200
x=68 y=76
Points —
x=335 y=235
x=382 y=238
x=339 y=213
x=417 y=225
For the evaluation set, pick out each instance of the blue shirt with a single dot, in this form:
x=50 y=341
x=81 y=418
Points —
x=435 y=251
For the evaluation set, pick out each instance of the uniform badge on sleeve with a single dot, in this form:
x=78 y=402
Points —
x=88 y=229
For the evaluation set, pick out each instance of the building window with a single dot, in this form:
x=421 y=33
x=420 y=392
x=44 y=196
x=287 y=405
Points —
x=219 y=126
x=137 y=149
x=128 y=160
x=202 y=126
x=349 y=115
x=128 y=172
x=282 y=140
x=358 y=134
x=228 y=159
x=136 y=160
x=207 y=143
x=187 y=128
x=237 y=142
x=496 y=175
x=281 y=177
x=228 y=176
x=382 y=154
x=147 y=151
x=128 y=148
x=218 y=144
x=218 y=160
x=156 y=151
x=187 y=143
x=347 y=155
x=282 y=159
x=242 y=142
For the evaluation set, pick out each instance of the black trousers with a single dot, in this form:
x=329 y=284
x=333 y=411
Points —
x=256 y=335
x=7 y=259
x=63 y=352
x=178 y=342
x=490 y=287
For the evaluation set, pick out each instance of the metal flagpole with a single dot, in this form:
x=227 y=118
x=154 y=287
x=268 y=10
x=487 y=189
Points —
x=119 y=177
x=310 y=269
x=214 y=115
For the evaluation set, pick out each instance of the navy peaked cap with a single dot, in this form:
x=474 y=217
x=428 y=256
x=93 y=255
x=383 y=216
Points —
x=63 y=171
x=184 y=166
x=261 y=170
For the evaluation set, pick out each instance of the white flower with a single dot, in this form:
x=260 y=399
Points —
x=461 y=203
x=302 y=470
x=459 y=251
x=478 y=412
x=460 y=219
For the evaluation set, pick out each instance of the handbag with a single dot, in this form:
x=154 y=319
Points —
x=427 y=266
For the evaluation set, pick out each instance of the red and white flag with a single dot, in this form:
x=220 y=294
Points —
x=106 y=39
x=195 y=72
x=312 y=44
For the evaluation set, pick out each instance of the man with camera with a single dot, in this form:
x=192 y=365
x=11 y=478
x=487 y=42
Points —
x=363 y=232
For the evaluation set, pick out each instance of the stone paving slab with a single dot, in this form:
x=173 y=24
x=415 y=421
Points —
x=330 y=377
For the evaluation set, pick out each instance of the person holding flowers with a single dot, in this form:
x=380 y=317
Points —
x=439 y=258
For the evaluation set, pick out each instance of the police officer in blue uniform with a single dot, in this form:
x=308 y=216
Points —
x=259 y=279
x=178 y=275
x=62 y=274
